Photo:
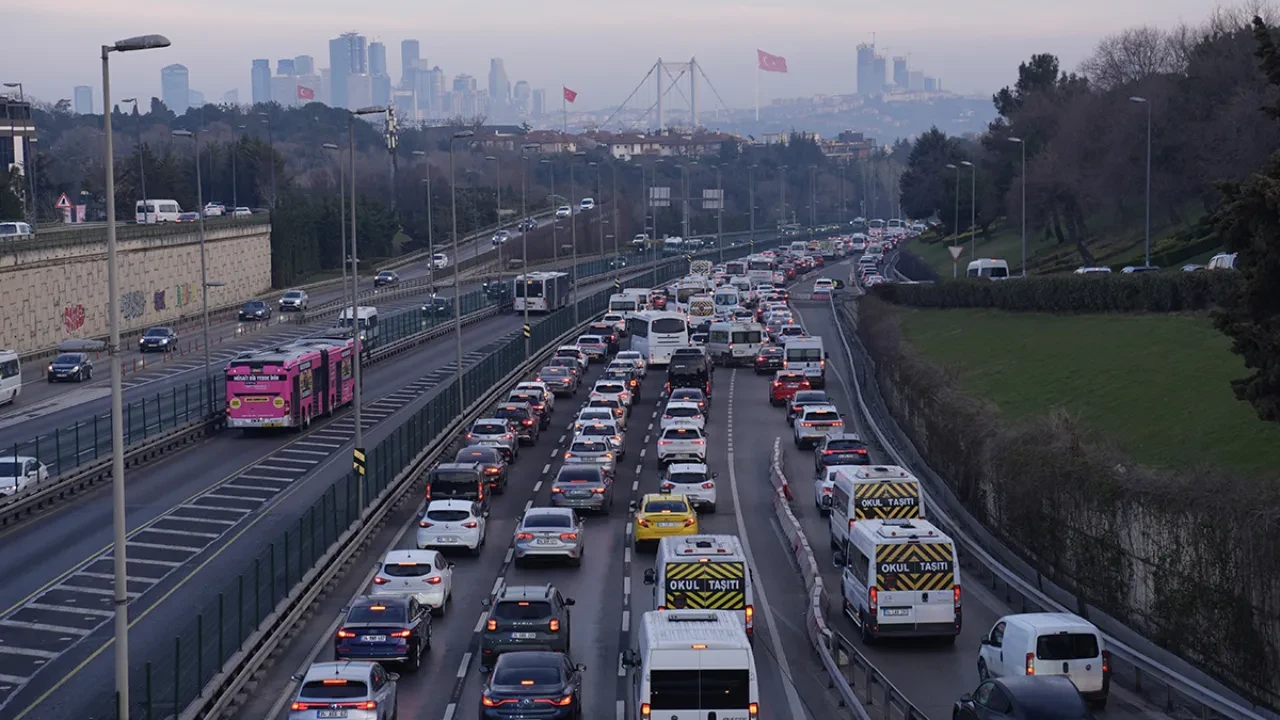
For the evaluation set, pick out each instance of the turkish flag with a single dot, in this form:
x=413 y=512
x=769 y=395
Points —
x=569 y=95
x=771 y=63
x=306 y=93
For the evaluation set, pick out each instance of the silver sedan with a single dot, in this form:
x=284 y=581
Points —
x=549 y=533
x=583 y=487
x=596 y=451
x=495 y=433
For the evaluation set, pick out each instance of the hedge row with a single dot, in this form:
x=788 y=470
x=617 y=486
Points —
x=1189 y=559
x=1140 y=292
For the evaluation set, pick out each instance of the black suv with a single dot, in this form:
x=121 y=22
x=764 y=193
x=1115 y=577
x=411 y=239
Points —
x=458 y=481
x=491 y=461
x=255 y=310
x=534 y=400
x=840 y=449
x=386 y=277
x=522 y=417
x=525 y=617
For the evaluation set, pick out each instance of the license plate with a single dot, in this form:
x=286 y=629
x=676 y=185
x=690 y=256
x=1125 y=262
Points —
x=523 y=636
x=580 y=494
x=895 y=612
x=373 y=638
x=331 y=713
x=668 y=524
x=445 y=539
x=545 y=542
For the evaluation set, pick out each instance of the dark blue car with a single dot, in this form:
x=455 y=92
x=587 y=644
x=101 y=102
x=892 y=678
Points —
x=384 y=629
x=533 y=684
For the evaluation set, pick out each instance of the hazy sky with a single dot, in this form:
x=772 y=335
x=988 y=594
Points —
x=600 y=49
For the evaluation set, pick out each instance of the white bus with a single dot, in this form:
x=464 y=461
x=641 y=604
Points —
x=541 y=291
x=685 y=289
x=367 y=319
x=657 y=333
x=157 y=211
x=10 y=376
x=735 y=268
x=693 y=664
x=760 y=269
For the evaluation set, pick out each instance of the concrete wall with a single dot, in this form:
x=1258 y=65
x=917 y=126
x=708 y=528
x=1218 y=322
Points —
x=54 y=287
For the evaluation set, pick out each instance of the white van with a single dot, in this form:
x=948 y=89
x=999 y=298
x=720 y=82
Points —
x=990 y=268
x=1049 y=644
x=1222 y=261
x=735 y=343
x=807 y=355
x=14 y=230
x=673 y=246
x=10 y=376
x=157 y=211
x=367 y=319
x=703 y=571
x=900 y=578
x=867 y=492
x=692 y=664
x=726 y=298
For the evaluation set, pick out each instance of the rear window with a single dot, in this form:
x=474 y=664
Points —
x=527 y=675
x=477 y=455
x=610 y=388
x=667 y=325
x=822 y=415
x=590 y=340
x=513 y=610
x=512 y=412
x=406 y=569
x=448 y=515
x=547 y=521
x=334 y=690
x=588 y=446
x=688 y=394
x=371 y=614
x=1067 y=646
x=844 y=445
x=683 y=412
x=747 y=336
x=658 y=506
x=555 y=372
x=572 y=474
x=688 y=478
x=599 y=430
x=488 y=428
x=681 y=433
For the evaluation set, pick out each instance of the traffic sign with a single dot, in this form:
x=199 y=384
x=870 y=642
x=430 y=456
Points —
x=528 y=331
x=63 y=202
x=358 y=461
x=955 y=251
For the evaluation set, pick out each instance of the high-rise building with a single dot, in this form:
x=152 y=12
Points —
x=326 y=87
x=866 y=69
x=83 y=103
x=377 y=58
x=286 y=66
x=348 y=55
x=260 y=76
x=359 y=53
x=175 y=89
x=499 y=85
x=878 y=75
x=284 y=90
x=231 y=97
x=435 y=91
x=915 y=81
x=409 y=56
x=900 y=75
x=405 y=103
x=538 y=103
x=360 y=90
x=195 y=99
x=520 y=97
x=381 y=90
x=930 y=84
x=304 y=65
x=464 y=83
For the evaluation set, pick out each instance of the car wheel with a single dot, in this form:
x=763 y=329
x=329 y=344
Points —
x=577 y=561
x=415 y=660
x=711 y=508
x=1100 y=704
x=439 y=611
x=868 y=638
x=983 y=673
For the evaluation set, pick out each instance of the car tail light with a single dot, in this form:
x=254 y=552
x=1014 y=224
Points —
x=1106 y=656
x=664 y=442
x=526 y=422
x=957 y=598
x=642 y=522
x=425 y=524
x=568 y=455
x=645 y=711
x=556 y=490
x=524 y=536
x=554 y=625
x=698 y=442
x=753 y=710
x=690 y=522
x=380 y=580
x=471 y=524
x=566 y=700
x=873 y=600
x=488 y=701
x=863 y=451
x=345 y=634
x=491 y=625
x=1031 y=663
x=708 y=485
x=433 y=580
x=806 y=424
x=401 y=633
x=491 y=471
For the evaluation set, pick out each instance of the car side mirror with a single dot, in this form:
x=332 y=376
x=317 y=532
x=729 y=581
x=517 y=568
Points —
x=826 y=355
x=570 y=602
x=650 y=577
x=715 y=475
x=986 y=640
x=839 y=558
x=630 y=659
x=486 y=602
x=393 y=676
x=966 y=698
x=296 y=677
x=450 y=565
x=486 y=513
x=34 y=474
x=827 y=501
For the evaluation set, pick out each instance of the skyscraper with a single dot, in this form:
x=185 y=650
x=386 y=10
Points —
x=348 y=55
x=359 y=90
x=915 y=81
x=520 y=97
x=175 y=89
x=930 y=84
x=260 y=76
x=381 y=90
x=900 y=75
x=231 y=97
x=377 y=58
x=464 y=83
x=499 y=86
x=878 y=75
x=195 y=99
x=866 y=70
x=409 y=55
x=285 y=66
x=538 y=103
x=83 y=100
x=304 y=65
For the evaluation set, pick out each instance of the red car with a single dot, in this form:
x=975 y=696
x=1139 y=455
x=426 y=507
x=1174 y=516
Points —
x=819 y=261
x=784 y=386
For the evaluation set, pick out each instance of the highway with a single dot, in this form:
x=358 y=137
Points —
x=609 y=587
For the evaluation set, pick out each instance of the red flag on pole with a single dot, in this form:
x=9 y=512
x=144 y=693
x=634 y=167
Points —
x=569 y=95
x=306 y=93
x=771 y=63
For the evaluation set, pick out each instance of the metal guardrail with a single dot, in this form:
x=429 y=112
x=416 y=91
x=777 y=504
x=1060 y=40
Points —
x=1019 y=591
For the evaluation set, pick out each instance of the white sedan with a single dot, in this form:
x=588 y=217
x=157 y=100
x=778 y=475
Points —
x=679 y=412
x=575 y=352
x=421 y=574
x=452 y=524
x=564 y=211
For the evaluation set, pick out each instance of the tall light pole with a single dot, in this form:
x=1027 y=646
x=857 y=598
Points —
x=813 y=197
x=555 y=246
x=204 y=275
x=751 y=192
x=955 y=225
x=142 y=165
x=457 y=285
x=599 y=205
x=497 y=169
x=613 y=167
x=271 y=144
x=720 y=212
x=782 y=219
x=1143 y=101
x=120 y=591
x=973 y=210
x=573 y=234
x=342 y=208
x=235 y=151
x=355 y=291
x=842 y=167
x=431 y=252
x=524 y=236
x=1023 y=146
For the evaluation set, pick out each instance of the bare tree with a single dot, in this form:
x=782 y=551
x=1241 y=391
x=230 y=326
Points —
x=1130 y=56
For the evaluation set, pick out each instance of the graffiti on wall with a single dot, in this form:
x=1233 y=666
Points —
x=157 y=301
x=133 y=304
x=184 y=295
x=72 y=318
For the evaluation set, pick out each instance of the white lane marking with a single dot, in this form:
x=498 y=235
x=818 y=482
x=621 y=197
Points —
x=628 y=529
x=626 y=555
x=70 y=609
x=497 y=585
x=635 y=485
x=479 y=624
x=538 y=485
x=650 y=425
x=793 y=699
x=643 y=451
x=639 y=467
x=647 y=438
x=562 y=437
x=622 y=707
x=11 y=650
x=507 y=560
x=44 y=627
x=626 y=588
x=462 y=667
x=528 y=505
x=449 y=711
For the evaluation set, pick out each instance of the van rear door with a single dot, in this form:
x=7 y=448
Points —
x=916 y=584
x=1078 y=655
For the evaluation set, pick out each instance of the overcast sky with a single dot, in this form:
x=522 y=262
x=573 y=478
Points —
x=600 y=49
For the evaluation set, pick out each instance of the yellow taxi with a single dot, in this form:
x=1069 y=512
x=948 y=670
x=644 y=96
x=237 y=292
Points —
x=658 y=516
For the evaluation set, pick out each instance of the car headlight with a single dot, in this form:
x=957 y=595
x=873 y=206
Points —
x=75 y=369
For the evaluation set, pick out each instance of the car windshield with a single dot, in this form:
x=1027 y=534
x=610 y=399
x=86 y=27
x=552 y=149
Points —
x=521 y=676
x=157 y=332
x=547 y=520
x=669 y=506
x=521 y=610
x=377 y=614
x=293 y=294
x=488 y=428
x=67 y=359
x=384 y=275
x=687 y=478
x=333 y=690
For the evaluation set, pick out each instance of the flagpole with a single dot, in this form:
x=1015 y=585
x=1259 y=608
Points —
x=757 y=92
x=564 y=102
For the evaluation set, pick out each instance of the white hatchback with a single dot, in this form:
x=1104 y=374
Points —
x=422 y=574
x=575 y=352
x=452 y=524
x=679 y=412
x=634 y=357
x=694 y=481
x=613 y=389
x=682 y=441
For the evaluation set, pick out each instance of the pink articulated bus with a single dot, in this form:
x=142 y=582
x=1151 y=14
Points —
x=288 y=386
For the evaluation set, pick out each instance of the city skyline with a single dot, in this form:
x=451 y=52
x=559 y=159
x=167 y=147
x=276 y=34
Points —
x=975 y=54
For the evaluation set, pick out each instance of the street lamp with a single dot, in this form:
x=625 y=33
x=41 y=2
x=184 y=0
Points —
x=497 y=169
x=573 y=235
x=720 y=212
x=457 y=285
x=955 y=225
x=342 y=208
x=782 y=219
x=235 y=150
x=751 y=192
x=142 y=164
x=204 y=276
x=1023 y=145
x=120 y=591
x=355 y=284
x=431 y=252
x=1143 y=101
x=555 y=247
x=973 y=210
x=271 y=144
x=524 y=239
x=813 y=198
x=599 y=202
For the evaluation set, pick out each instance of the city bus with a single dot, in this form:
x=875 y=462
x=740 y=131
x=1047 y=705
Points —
x=760 y=269
x=288 y=386
x=736 y=268
x=685 y=289
x=657 y=333
x=541 y=291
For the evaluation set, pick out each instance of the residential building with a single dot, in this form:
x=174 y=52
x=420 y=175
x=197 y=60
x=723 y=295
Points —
x=286 y=66
x=260 y=77
x=551 y=141
x=83 y=102
x=409 y=56
x=900 y=74
x=175 y=90
x=304 y=65
x=848 y=145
